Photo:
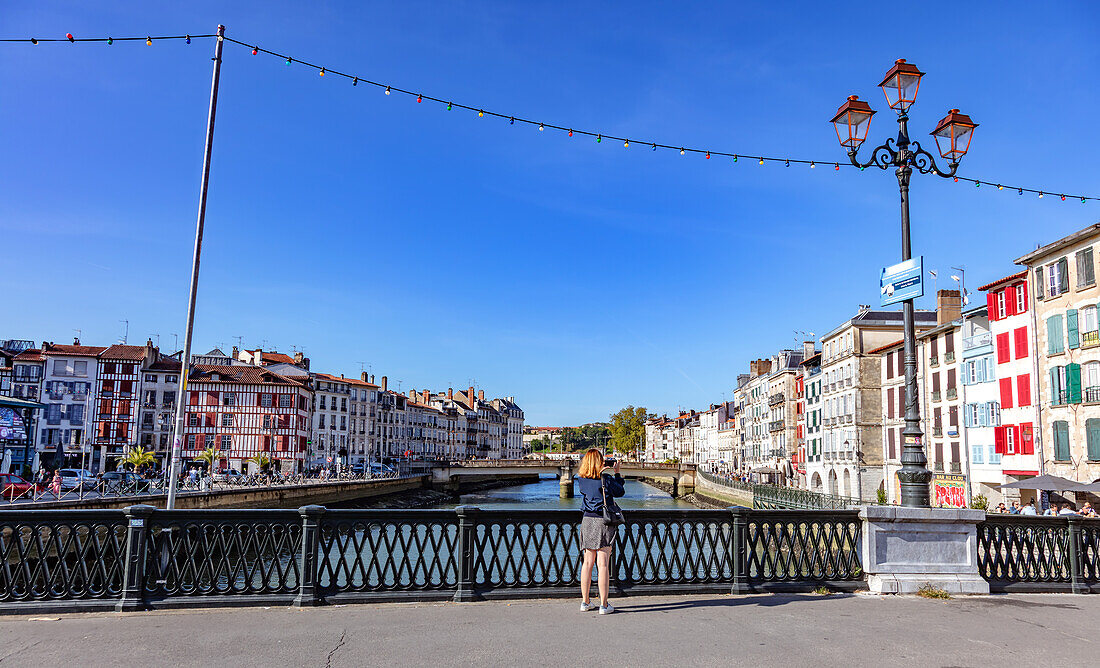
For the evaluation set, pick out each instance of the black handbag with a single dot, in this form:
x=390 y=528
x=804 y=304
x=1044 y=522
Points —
x=612 y=514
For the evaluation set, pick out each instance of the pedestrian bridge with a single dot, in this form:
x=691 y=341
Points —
x=680 y=476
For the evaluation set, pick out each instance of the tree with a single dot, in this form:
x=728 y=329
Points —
x=209 y=455
x=262 y=462
x=628 y=429
x=137 y=457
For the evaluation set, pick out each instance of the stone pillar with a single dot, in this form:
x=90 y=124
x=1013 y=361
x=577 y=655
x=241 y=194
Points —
x=565 y=483
x=904 y=549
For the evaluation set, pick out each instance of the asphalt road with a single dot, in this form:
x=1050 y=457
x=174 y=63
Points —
x=780 y=630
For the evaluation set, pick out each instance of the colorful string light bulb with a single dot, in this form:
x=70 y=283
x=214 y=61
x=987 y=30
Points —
x=1082 y=200
x=735 y=158
x=570 y=132
x=955 y=178
x=1000 y=187
x=355 y=81
x=148 y=41
x=708 y=155
x=322 y=72
x=654 y=147
x=836 y=166
x=512 y=120
x=786 y=163
x=255 y=50
x=110 y=41
x=626 y=143
x=1040 y=194
x=977 y=184
x=387 y=90
x=419 y=98
x=1020 y=192
x=681 y=151
x=69 y=36
x=187 y=39
x=541 y=127
x=761 y=161
x=480 y=113
x=599 y=138
x=1063 y=198
x=449 y=105
x=288 y=60
x=34 y=41
x=812 y=165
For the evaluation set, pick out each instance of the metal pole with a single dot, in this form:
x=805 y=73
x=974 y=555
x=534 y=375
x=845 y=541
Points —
x=914 y=475
x=185 y=361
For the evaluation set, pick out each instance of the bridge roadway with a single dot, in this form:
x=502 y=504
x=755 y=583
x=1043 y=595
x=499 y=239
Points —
x=702 y=630
x=680 y=476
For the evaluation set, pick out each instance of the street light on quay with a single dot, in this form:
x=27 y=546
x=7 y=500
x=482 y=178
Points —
x=952 y=135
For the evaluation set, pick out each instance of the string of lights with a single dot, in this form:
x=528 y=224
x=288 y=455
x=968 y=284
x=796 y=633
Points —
x=542 y=125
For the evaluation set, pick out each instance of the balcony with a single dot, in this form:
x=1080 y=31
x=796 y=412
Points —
x=934 y=361
x=775 y=399
x=955 y=467
x=936 y=395
x=1090 y=339
x=1059 y=398
x=937 y=431
x=948 y=358
x=952 y=393
x=977 y=341
x=776 y=425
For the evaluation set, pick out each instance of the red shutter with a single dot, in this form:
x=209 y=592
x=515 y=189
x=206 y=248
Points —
x=1006 y=393
x=991 y=301
x=1021 y=342
x=890 y=402
x=1004 y=352
x=1017 y=444
x=194 y=400
x=1023 y=390
x=1028 y=437
x=259 y=396
x=211 y=398
x=1010 y=301
x=999 y=439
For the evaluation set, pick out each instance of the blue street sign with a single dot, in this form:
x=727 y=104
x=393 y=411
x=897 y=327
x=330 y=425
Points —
x=902 y=281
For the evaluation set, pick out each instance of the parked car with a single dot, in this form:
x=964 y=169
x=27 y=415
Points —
x=381 y=469
x=77 y=479
x=228 y=475
x=121 y=482
x=13 y=487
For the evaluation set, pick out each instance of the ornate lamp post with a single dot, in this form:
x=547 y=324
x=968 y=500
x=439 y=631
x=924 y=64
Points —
x=952 y=135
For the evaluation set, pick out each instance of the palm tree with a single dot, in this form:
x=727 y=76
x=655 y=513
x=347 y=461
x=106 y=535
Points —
x=262 y=462
x=209 y=455
x=137 y=457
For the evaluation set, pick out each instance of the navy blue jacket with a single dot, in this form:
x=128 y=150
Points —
x=593 y=497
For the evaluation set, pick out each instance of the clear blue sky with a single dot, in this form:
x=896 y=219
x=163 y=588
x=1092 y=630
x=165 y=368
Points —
x=439 y=247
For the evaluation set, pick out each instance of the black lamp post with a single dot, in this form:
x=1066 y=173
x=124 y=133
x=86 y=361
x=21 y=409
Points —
x=952 y=135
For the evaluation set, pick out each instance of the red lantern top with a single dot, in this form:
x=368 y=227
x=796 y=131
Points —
x=852 y=121
x=953 y=134
x=900 y=85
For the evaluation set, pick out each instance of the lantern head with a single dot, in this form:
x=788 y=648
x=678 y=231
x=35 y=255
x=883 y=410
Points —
x=852 y=121
x=953 y=134
x=901 y=84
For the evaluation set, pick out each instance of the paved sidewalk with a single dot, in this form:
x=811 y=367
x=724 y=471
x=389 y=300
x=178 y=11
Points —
x=780 y=630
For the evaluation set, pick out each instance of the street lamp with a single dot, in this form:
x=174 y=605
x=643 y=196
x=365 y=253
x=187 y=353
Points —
x=952 y=135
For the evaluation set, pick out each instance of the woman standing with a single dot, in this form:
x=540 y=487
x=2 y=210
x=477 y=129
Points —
x=597 y=537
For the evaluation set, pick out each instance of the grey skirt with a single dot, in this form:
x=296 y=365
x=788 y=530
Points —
x=595 y=534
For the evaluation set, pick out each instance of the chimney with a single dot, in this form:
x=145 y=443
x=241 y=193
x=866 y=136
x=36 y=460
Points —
x=298 y=357
x=808 y=349
x=948 y=306
x=481 y=395
x=372 y=379
x=236 y=352
x=425 y=396
x=412 y=395
x=259 y=358
x=363 y=377
x=383 y=383
x=470 y=396
x=76 y=341
x=149 y=355
x=450 y=394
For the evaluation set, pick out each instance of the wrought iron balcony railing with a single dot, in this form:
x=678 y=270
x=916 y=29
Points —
x=977 y=341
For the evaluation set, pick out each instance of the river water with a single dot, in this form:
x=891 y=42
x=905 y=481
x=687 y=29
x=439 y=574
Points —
x=544 y=495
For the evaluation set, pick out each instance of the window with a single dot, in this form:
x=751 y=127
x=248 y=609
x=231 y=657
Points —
x=977 y=453
x=1020 y=334
x=1085 y=276
x=108 y=367
x=265 y=400
x=1061 y=441
x=190 y=441
x=1010 y=440
x=227 y=419
x=1021 y=298
x=1038 y=282
x=1092 y=438
x=1006 y=392
x=193 y=420
x=889 y=365
x=994 y=456
x=284 y=401
x=1057 y=278
x=1001 y=310
x=267 y=421
x=209 y=440
x=1058 y=394
x=323 y=405
x=1023 y=390
x=227 y=442
x=1091 y=377
x=229 y=399
x=1004 y=354
x=1055 y=342
x=150 y=378
x=1087 y=323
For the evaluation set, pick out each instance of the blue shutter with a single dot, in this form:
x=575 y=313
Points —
x=1055 y=344
x=966 y=416
x=1071 y=328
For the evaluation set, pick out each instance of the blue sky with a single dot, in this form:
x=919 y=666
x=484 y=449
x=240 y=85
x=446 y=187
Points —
x=437 y=247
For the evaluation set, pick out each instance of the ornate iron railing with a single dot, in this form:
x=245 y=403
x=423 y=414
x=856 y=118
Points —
x=142 y=557
x=1019 y=553
x=777 y=497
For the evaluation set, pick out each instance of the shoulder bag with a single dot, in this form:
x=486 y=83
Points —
x=612 y=514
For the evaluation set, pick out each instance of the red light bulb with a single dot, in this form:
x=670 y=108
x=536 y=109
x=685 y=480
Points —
x=69 y=36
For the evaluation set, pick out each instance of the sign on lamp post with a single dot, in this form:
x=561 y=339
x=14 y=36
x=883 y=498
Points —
x=902 y=281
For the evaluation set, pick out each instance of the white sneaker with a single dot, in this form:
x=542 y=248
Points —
x=607 y=609
x=585 y=607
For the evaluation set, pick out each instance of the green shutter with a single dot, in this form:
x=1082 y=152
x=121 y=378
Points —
x=1054 y=399
x=1071 y=328
x=1061 y=441
x=1054 y=335
x=1073 y=382
x=1063 y=278
x=1092 y=437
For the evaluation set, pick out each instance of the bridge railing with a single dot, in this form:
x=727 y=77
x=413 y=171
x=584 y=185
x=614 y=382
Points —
x=777 y=497
x=142 y=557
x=1021 y=553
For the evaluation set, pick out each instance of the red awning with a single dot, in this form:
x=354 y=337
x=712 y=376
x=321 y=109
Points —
x=1021 y=473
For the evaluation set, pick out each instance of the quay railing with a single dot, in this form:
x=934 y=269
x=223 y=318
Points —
x=1017 y=553
x=778 y=497
x=141 y=557
x=90 y=489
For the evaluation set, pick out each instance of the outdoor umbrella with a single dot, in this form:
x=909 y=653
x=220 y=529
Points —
x=1049 y=483
x=7 y=461
x=59 y=454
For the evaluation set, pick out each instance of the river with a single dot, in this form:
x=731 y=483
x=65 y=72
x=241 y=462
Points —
x=544 y=495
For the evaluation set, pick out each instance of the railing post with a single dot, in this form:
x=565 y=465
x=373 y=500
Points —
x=133 y=571
x=307 y=560
x=739 y=550
x=464 y=554
x=1075 y=552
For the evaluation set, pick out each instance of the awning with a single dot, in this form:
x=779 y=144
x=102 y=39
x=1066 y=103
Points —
x=1049 y=483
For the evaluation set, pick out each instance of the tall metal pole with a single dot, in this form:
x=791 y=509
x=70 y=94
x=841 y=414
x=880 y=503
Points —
x=914 y=475
x=185 y=361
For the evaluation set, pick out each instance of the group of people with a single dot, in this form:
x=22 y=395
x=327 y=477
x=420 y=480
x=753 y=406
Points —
x=1054 y=509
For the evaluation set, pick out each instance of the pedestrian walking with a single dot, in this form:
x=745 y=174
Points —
x=599 y=486
x=55 y=486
